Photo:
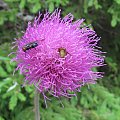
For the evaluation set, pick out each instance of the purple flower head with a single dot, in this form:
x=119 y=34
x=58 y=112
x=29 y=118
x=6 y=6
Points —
x=57 y=55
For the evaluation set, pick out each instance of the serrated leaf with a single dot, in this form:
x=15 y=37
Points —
x=13 y=102
x=21 y=97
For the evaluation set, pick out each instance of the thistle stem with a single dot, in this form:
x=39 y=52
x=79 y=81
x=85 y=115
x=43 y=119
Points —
x=36 y=105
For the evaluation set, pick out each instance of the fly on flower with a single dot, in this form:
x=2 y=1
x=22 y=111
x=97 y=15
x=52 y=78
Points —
x=29 y=46
x=45 y=67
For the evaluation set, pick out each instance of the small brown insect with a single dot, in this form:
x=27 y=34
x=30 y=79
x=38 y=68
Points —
x=62 y=52
x=29 y=46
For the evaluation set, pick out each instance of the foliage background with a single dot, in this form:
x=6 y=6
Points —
x=98 y=102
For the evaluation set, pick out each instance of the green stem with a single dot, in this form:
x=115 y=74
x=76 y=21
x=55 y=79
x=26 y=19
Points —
x=36 y=104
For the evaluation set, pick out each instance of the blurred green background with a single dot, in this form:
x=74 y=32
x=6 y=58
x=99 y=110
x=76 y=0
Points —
x=98 y=102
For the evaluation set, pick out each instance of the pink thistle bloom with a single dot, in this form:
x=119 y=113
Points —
x=57 y=55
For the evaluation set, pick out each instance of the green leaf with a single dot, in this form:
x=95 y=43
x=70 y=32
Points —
x=117 y=1
x=1 y=118
x=27 y=114
x=9 y=67
x=1 y=20
x=12 y=16
x=90 y=3
x=4 y=58
x=36 y=8
x=97 y=6
x=86 y=6
x=22 y=4
x=74 y=101
x=114 y=19
x=29 y=89
x=4 y=82
x=113 y=22
x=12 y=87
x=31 y=1
x=13 y=102
x=11 y=0
x=3 y=73
x=51 y=7
x=21 y=97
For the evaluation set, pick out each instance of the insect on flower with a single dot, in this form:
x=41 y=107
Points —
x=29 y=46
x=62 y=52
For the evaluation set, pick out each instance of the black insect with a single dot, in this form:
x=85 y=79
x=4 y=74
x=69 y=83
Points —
x=29 y=46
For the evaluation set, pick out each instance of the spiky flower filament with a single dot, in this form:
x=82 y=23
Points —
x=63 y=60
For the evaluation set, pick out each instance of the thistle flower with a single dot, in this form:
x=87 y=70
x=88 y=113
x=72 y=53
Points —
x=57 y=55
